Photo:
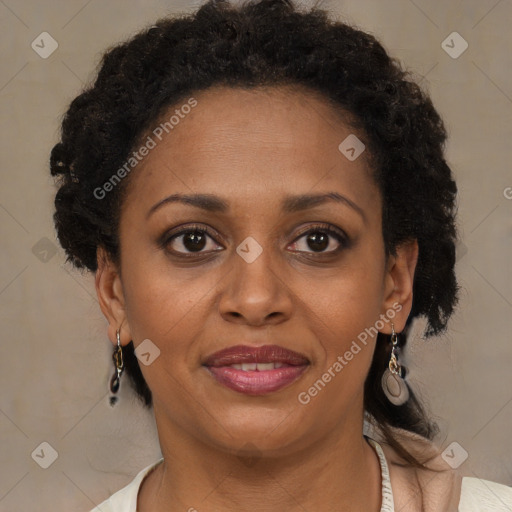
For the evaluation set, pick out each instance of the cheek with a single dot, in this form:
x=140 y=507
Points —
x=345 y=312
x=343 y=329
x=172 y=308
x=351 y=299
x=158 y=304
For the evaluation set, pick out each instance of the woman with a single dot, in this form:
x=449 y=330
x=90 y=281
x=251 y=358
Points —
x=263 y=197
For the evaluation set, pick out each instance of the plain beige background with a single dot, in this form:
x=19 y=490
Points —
x=55 y=355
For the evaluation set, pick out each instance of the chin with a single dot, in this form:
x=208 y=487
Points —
x=257 y=430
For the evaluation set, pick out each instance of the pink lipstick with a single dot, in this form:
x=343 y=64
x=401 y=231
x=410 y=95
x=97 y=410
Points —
x=256 y=370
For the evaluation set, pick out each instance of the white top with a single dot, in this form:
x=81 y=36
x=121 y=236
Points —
x=476 y=495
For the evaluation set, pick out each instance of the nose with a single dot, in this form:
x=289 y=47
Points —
x=255 y=292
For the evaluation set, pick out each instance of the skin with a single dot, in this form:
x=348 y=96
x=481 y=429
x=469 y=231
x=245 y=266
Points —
x=225 y=450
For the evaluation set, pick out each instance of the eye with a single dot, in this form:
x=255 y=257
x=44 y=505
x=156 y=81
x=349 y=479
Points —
x=197 y=239
x=319 y=239
x=193 y=239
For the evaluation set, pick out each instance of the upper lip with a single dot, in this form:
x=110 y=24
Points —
x=240 y=354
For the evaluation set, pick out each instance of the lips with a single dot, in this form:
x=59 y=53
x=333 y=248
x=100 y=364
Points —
x=244 y=354
x=256 y=370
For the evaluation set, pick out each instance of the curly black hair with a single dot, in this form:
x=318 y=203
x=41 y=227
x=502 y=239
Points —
x=256 y=44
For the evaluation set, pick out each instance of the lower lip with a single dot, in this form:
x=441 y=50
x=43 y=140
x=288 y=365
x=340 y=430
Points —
x=254 y=382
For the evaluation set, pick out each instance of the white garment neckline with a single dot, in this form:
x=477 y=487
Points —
x=387 y=491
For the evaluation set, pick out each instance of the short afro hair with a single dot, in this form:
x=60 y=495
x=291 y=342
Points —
x=270 y=43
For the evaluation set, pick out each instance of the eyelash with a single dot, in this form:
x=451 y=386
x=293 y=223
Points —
x=339 y=235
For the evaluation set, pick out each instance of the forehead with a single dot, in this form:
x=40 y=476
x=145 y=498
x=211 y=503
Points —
x=244 y=143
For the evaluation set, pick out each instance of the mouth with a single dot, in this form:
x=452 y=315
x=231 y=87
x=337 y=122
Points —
x=256 y=370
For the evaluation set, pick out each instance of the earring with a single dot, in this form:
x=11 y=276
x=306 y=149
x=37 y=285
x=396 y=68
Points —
x=117 y=356
x=392 y=382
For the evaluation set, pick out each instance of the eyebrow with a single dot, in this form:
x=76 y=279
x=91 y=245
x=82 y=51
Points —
x=290 y=204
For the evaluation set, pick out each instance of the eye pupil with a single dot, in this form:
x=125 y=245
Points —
x=318 y=241
x=196 y=239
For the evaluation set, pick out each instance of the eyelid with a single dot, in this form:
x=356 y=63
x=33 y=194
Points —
x=320 y=226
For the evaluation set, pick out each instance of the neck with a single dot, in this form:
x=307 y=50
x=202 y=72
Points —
x=340 y=472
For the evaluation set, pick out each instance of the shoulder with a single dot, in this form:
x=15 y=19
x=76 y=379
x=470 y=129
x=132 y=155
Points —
x=436 y=488
x=125 y=500
x=480 y=494
x=439 y=487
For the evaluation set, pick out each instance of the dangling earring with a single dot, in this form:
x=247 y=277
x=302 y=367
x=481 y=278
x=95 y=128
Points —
x=117 y=356
x=392 y=382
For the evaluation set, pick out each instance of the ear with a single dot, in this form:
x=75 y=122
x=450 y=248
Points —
x=398 y=284
x=111 y=298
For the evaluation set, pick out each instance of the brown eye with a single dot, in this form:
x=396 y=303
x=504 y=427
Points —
x=189 y=241
x=318 y=241
x=194 y=241
x=320 y=238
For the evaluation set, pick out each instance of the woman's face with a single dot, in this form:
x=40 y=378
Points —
x=255 y=277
